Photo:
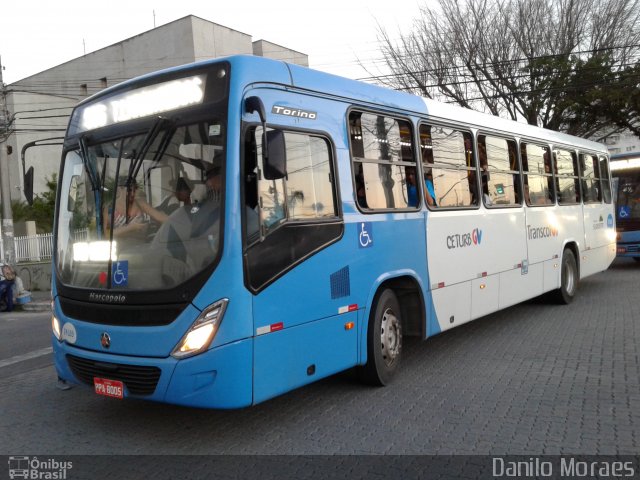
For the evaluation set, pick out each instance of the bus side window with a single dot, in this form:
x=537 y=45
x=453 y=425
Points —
x=538 y=179
x=590 y=173
x=447 y=156
x=384 y=168
x=567 y=180
x=500 y=182
x=306 y=193
x=604 y=180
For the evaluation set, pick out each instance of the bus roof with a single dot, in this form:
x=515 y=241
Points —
x=251 y=70
x=625 y=156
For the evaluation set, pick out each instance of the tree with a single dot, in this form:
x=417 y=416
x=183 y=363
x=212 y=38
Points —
x=42 y=210
x=552 y=63
x=615 y=100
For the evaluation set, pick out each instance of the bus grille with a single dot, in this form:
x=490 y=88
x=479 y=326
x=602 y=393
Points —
x=139 y=380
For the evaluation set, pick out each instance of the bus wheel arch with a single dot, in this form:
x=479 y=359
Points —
x=396 y=311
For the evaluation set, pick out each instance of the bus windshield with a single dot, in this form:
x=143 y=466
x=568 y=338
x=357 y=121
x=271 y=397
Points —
x=141 y=211
x=628 y=196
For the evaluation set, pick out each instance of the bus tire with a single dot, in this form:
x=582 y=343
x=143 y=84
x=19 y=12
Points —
x=637 y=259
x=568 y=278
x=384 y=340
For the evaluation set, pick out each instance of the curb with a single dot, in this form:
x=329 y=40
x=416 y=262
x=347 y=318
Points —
x=36 y=307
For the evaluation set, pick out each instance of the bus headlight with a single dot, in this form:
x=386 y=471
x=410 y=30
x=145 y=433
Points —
x=55 y=326
x=199 y=336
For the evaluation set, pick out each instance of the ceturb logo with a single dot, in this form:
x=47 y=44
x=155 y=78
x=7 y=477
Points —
x=462 y=240
x=534 y=233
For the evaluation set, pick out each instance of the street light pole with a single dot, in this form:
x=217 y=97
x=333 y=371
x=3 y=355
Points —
x=5 y=181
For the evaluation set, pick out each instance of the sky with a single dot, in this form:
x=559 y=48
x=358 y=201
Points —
x=336 y=34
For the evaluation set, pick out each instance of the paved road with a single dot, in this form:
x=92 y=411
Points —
x=533 y=379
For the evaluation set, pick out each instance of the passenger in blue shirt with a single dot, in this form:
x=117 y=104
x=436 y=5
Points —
x=412 y=188
x=429 y=192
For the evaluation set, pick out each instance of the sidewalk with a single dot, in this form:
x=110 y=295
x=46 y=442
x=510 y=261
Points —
x=40 y=302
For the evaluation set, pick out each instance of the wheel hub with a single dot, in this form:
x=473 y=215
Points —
x=569 y=279
x=390 y=336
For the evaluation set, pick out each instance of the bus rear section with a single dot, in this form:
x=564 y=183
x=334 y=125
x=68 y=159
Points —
x=625 y=170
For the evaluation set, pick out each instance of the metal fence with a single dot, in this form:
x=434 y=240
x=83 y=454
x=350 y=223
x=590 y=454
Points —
x=37 y=247
x=34 y=248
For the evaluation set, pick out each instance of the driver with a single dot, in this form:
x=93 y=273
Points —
x=190 y=234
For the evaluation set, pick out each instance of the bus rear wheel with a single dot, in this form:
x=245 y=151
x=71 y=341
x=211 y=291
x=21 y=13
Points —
x=568 y=278
x=384 y=340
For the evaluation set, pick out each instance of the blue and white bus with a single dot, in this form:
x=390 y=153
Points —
x=625 y=173
x=229 y=230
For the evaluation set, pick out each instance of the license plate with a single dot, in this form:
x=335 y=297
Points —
x=108 y=388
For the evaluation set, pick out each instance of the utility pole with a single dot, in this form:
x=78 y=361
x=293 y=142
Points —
x=5 y=181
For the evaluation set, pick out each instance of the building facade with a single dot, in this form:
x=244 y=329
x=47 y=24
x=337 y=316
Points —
x=40 y=105
x=623 y=142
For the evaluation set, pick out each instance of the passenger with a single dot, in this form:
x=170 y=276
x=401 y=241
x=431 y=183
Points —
x=160 y=214
x=485 y=189
x=412 y=188
x=361 y=192
x=527 y=197
x=473 y=187
x=190 y=234
x=429 y=191
x=129 y=221
x=181 y=192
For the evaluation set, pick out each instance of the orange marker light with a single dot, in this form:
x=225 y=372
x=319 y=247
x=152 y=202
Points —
x=349 y=325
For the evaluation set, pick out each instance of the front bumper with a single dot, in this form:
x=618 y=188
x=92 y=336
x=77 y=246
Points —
x=218 y=378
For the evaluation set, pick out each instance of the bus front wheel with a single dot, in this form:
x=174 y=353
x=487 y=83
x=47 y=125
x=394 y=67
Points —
x=384 y=340
x=568 y=278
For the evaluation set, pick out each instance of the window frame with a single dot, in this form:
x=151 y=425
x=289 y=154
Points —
x=519 y=172
x=474 y=155
x=576 y=175
x=608 y=190
x=335 y=224
x=333 y=163
x=524 y=141
x=596 y=177
x=360 y=160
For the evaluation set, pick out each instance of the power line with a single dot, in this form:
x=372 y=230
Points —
x=499 y=63
x=514 y=77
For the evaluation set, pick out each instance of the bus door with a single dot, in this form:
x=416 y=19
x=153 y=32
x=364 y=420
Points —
x=292 y=225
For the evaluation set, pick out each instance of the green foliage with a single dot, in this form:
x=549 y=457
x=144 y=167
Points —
x=598 y=93
x=42 y=210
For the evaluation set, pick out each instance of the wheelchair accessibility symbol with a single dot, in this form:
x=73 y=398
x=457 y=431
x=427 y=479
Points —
x=624 y=211
x=120 y=276
x=365 y=235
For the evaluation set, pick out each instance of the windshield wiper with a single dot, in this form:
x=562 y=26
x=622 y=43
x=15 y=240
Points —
x=136 y=162
x=84 y=155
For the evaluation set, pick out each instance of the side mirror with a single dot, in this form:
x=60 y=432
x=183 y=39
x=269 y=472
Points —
x=275 y=164
x=28 y=186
